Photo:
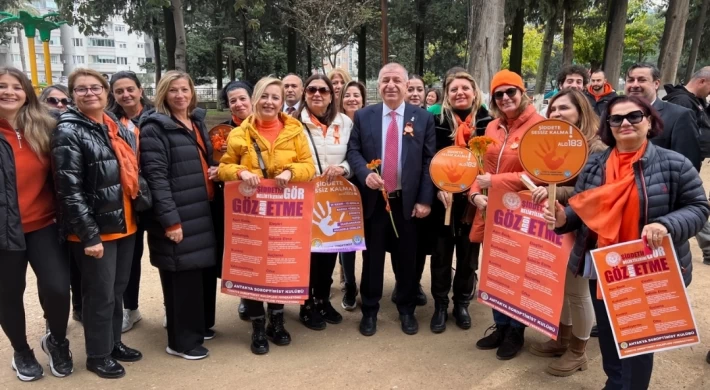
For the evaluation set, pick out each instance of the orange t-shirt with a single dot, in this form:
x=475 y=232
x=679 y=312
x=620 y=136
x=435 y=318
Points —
x=34 y=192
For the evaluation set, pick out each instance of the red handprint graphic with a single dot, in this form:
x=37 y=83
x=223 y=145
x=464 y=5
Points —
x=548 y=154
x=452 y=172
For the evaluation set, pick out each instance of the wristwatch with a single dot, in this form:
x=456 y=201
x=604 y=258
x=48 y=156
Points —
x=473 y=196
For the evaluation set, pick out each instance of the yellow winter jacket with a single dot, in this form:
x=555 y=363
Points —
x=290 y=152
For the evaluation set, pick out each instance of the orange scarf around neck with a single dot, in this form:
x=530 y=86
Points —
x=463 y=131
x=316 y=122
x=127 y=160
x=236 y=120
x=613 y=210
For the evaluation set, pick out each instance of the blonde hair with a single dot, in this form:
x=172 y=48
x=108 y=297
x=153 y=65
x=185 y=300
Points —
x=588 y=119
x=259 y=90
x=524 y=103
x=447 y=110
x=342 y=73
x=161 y=92
x=33 y=118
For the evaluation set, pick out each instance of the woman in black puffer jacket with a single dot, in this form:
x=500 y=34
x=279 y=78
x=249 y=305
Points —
x=95 y=190
x=176 y=160
x=633 y=190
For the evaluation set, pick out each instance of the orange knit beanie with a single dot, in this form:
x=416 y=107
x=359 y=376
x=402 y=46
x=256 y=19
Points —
x=506 y=77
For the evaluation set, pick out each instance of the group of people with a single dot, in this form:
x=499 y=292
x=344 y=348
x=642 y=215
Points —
x=89 y=170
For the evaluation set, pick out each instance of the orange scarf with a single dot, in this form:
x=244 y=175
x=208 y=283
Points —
x=127 y=160
x=236 y=120
x=463 y=132
x=316 y=122
x=601 y=207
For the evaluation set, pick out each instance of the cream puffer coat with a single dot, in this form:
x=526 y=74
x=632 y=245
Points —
x=331 y=147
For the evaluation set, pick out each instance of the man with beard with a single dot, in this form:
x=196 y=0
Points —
x=600 y=91
x=680 y=130
x=293 y=91
x=403 y=137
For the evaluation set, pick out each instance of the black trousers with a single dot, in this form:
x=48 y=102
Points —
x=321 y=275
x=380 y=236
x=103 y=282
x=130 y=297
x=255 y=309
x=420 y=260
x=74 y=281
x=50 y=263
x=632 y=373
x=209 y=292
x=347 y=260
x=466 y=265
x=184 y=298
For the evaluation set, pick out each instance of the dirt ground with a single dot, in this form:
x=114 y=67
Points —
x=340 y=358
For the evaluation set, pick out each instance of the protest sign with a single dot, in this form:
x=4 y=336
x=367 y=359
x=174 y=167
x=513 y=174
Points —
x=453 y=169
x=267 y=241
x=338 y=224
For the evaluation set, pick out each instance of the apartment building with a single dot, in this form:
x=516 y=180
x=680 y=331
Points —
x=114 y=51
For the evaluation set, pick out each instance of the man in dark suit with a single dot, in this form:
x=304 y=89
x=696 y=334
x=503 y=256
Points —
x=402 y=136
x=680 y=130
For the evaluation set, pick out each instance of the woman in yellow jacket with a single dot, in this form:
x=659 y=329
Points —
x=268 y=144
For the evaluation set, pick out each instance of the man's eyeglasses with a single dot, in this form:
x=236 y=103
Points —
x=321 y=90
x=55 y=101
x=633 y=117
x=510 y=92
x=95 y=89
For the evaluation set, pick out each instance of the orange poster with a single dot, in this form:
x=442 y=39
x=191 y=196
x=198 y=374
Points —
x=338 y=225
x=553 y=151
x=453 y=169
x=524 y=262
x=645 y=298
x=267 y=251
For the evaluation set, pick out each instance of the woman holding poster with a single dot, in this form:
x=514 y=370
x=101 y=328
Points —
x=577 y=310
x=328 y=134
x=268 y=144
x=515 y=114
x=633 y=190
x=463 y=117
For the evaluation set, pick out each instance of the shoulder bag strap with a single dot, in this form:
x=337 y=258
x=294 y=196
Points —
x=315 y=150
x=261 y=160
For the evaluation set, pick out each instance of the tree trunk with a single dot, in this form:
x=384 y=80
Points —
x=362 y=55
x=246 y=45
x=309 y=59
x=546 y=55
x=181 y=39
x=156 y=48
x=421 y=6
x=672 y=41
x=385 y=36
x=291 y=45
x=613 y=51
x=485 y=36
x=516 y=42
x=170 y=39
x=218 y=67
x=21 y=44
x=568 y=35
x=699 y=26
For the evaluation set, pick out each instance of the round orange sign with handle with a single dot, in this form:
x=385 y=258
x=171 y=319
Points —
x=218 y=137
x=553 y=151
x=453 y=169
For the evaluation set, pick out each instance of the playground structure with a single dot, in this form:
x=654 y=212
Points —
x=32 y=24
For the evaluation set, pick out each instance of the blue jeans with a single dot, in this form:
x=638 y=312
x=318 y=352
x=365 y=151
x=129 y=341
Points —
x=347 y=260
x=502 y=320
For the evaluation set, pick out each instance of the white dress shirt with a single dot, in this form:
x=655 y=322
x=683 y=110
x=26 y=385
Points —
x=386 y=119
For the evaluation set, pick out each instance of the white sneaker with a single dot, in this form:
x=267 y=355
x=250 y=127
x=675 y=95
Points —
x=130 y=318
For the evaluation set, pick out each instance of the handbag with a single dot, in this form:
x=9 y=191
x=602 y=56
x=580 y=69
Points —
x=144 y=200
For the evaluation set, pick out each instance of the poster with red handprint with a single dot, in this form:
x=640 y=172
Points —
x=338 y=224
x=453 y=169
x=553 y=151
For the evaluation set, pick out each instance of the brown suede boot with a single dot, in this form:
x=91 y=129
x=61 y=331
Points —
x=553 y=348
x=575 y=359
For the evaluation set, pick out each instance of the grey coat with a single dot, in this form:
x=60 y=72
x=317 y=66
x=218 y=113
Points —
x=670 y=192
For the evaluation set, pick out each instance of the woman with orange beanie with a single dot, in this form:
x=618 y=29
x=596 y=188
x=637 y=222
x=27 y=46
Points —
x=515 y=115
x=463 y=116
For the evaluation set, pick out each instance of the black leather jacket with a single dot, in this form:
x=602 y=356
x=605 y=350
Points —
x=12 y=238
x=87 y=177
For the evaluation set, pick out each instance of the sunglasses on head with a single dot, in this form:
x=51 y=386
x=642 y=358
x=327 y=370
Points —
x=510 y=92
x=633 y=117
x=321 y=90
x=55 y=101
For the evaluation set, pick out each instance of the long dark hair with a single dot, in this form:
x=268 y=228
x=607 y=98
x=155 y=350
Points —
x=113 y=105
x=331 y=112
x=605 y=133
x=363 y=93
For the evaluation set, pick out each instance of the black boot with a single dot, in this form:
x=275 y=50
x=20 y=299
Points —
x=460 y=313
x=105 y=367
x=259 y=343
x=310 y=316
x=276 y=330
x=512 y=343
x=493 y=340
x=438 y=320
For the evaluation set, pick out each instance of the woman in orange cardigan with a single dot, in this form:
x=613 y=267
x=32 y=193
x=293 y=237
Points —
x=515 y=115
